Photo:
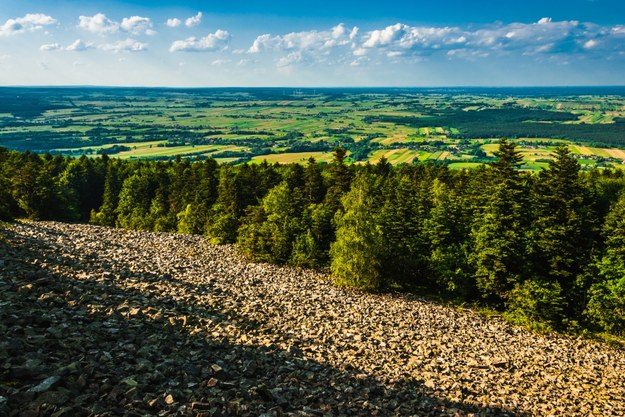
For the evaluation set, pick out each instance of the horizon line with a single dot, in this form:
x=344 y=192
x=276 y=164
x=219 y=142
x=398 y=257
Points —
x=309 y=87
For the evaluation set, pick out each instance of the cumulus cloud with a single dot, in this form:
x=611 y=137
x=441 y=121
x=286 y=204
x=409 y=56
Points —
x=102 y=25
x=28 y=23
x=542 y=37
x=79 y=46
x=137 y=24
x=402 y=37
x=51 y=47
x=127 y=45
x=173 y=22
x=305 y=41
x=290 y=59
x=194 y=20
x=212 y=42
x=98 y=23
x=618 y=30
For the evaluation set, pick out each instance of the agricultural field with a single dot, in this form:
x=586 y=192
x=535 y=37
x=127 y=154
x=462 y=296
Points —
x=458 y=127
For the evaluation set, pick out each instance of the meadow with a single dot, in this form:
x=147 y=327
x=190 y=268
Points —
x=456 y=127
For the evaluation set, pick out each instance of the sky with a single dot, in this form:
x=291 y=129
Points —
x=322 y=43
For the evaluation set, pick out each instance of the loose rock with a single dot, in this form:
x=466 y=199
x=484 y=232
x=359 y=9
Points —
x=98 y=321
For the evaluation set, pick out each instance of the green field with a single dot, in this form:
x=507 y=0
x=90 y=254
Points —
x=284 y=125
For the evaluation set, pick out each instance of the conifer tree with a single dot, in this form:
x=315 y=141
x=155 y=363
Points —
x=338 y=178
x=314 y=190
x=403 y=217
x=135 y=200
x=225 y=218
x=107 y=214
x=270 y=231
x=7 y=203
x=195 y=216
x=606 y=306
x=448 y=230
x=564 y=228
x=499 y=253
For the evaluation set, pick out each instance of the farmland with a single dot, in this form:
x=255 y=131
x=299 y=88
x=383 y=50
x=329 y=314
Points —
x=458 y=127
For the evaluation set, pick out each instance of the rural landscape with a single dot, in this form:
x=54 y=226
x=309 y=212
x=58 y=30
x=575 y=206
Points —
x=244 y=212
x=455 y=127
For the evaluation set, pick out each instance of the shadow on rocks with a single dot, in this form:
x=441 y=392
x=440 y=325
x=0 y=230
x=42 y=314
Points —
x=74 y=344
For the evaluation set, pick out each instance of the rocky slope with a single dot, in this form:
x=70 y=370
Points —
x=102 y=322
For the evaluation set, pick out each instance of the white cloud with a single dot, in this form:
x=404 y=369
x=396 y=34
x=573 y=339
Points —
x=128 y=45
x=290 y=59
x=304 y=41
x=102 y=25
x=174 y=22
x=260 y=43
x=541 y=38
x=404 y=37
x=353 y=33
x=51 y=47
x=98 y=23
x=219 y=62
x=194 y=20
x=29 y=23
x=618 y=30
x=79 y=46
x=137 y=24
x=211 y=42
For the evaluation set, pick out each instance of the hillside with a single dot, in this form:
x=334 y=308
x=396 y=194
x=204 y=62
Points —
x=103 y=322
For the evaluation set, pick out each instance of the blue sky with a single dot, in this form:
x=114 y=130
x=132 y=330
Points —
x=321 y=43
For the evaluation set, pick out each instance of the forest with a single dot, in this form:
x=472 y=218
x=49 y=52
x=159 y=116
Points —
x=547 y=250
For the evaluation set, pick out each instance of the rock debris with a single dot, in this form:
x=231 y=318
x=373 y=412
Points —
x=103 y=322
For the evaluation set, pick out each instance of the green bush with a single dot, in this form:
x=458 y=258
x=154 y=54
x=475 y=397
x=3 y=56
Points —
x=606 y=306
x=536 y=304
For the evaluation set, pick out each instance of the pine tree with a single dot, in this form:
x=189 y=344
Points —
x=270 y=231
x=499 y=253
x=564 y=229
x=448 y=230
x=107 y=214
x=135 y=200
x=226 y=213
x=195 y=216
x=338 y=178
x=7 y=203
x=163 y=212
x=403 y=217
x=606 y=306
x=314 y=189
x=35 y=186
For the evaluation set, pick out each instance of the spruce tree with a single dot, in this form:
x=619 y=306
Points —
x=448 y=229
x=226 y=213
x=107 y=214
x=499 y=234
x=564 y=229
x=606 y=306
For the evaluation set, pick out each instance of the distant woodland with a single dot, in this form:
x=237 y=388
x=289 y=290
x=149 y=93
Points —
x=545 y=249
